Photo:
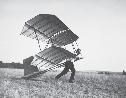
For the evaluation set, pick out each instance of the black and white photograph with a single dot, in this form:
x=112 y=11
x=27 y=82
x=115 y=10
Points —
x=63 y=49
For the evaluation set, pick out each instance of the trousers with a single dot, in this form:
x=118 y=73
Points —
x=68 y=65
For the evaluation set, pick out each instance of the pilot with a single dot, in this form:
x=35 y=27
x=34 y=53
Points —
x=68 y=65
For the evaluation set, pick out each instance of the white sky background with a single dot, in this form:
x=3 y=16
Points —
x=100 y=25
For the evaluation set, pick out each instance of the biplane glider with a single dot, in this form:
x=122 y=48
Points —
x=51 y=30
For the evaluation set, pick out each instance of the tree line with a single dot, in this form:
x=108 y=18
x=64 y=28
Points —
x=11 y=65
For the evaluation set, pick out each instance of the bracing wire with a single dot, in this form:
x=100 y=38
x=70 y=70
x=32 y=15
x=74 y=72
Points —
x=39 y=45
x=38 y=40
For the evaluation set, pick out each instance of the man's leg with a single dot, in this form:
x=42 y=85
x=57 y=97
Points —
x=66 y=69
x=71 y=80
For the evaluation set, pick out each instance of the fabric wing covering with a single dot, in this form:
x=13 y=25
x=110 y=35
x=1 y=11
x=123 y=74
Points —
x=52 y=56
x=50 y=29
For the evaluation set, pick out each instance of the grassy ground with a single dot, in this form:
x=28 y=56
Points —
x=87 y=85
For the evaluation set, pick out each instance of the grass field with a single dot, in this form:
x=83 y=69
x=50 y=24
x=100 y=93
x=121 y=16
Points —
x=87 y=85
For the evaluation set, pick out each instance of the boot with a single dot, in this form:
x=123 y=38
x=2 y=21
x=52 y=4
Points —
x=71 y=81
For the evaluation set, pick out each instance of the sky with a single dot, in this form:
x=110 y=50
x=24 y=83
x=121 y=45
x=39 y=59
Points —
x=100 y=25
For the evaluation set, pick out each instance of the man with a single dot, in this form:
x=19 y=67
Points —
x=68 y=65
